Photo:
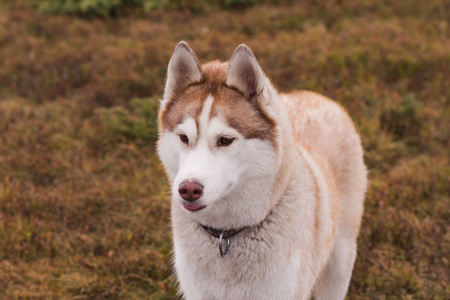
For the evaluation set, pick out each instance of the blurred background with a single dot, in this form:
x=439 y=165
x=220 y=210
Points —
x=84 y=205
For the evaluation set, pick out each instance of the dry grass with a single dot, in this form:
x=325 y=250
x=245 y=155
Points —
x=83 y=214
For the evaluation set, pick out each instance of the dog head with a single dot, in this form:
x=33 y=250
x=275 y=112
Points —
x=219 y=138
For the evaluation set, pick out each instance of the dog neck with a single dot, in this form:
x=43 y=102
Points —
x=218 y=232
x=225 y=235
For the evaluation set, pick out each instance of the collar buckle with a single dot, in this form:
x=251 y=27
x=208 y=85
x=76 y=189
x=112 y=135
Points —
x=227 y=241
x=224 y=237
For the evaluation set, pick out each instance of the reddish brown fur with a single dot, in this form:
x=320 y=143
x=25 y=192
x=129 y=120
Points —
x=242 y=114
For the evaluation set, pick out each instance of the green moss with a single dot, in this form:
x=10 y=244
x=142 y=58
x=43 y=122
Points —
x=137 y=123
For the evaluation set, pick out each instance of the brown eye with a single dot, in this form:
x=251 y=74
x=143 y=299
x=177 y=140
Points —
x=225 y=141
x=184 y=139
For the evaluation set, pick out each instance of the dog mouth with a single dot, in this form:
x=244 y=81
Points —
x=193 y=207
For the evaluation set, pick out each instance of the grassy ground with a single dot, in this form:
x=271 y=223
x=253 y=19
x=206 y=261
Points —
x=83 y=213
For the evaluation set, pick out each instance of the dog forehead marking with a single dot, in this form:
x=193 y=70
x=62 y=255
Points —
x=205 y=113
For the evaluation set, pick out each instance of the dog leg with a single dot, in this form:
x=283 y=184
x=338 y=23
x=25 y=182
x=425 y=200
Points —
x=335 y=278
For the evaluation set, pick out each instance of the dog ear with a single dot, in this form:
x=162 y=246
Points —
x=244 y=72
x=184 y=70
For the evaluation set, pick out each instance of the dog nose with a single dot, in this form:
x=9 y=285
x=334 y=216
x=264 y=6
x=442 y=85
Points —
x=190 y=190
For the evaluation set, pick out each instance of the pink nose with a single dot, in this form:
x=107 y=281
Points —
x=190 y=191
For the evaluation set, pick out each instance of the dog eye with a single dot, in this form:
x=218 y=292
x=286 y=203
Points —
x=184 y=139
x=225 y=141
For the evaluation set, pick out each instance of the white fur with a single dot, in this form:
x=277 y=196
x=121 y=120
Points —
x=227 y=173
x=301 y=198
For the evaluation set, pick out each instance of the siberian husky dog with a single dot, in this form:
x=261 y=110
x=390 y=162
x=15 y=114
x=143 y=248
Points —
x=267 y=188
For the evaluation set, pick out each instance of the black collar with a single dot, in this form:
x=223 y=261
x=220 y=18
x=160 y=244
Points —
x=225 y=235
x=218 y=232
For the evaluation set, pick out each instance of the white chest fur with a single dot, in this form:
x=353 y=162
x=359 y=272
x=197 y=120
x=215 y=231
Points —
x=268 y=262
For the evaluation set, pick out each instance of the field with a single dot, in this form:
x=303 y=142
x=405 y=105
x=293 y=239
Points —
x=84 y=204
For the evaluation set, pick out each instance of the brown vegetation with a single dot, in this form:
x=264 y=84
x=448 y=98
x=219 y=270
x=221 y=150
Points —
x=83 y=213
